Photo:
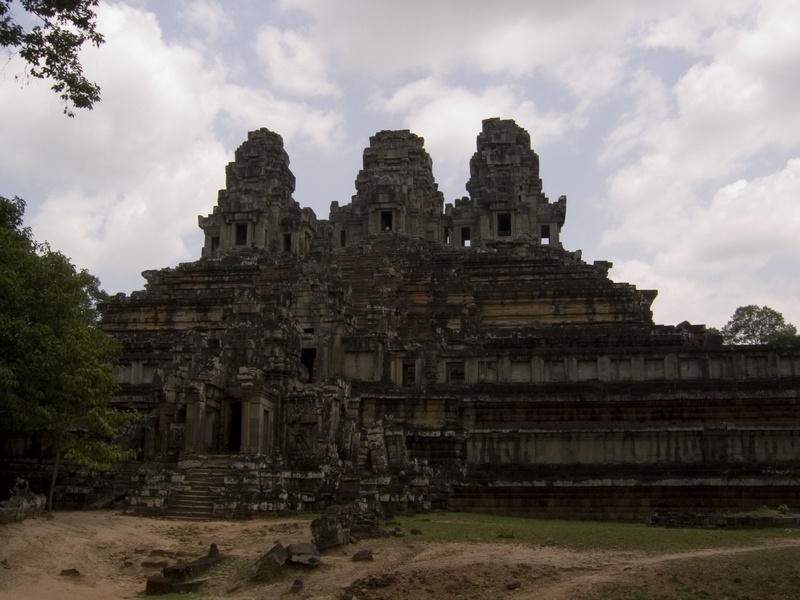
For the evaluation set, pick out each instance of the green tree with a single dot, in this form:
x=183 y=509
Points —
x=50 y=47
x=56 y=366
x=758 y=325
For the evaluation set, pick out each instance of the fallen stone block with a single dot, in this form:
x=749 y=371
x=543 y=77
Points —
x=157 y=585
x=304 y=553
x=190 y=570
x=189 y=586
x=362 y=555
x=19 y=508
x=269 y=565
x=331 y=530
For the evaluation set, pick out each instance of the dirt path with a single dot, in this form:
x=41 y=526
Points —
x=114 y=554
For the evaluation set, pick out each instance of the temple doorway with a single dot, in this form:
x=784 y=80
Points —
x=234 y=437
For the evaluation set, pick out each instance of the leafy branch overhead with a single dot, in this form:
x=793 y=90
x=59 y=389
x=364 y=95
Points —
x=51 y=45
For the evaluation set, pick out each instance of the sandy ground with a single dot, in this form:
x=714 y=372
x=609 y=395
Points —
x=114 y=554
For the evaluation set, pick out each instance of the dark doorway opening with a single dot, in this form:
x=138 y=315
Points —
x=466 y=239
x=386 y=220
x=409 y=373
x=307 y=358
x=545 y=234
x=287 y=242
x=503 y=224
x=241 y=234
x=235 y=428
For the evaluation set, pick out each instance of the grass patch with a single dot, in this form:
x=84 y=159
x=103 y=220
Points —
x=506 y=533
x=626 y=591
x=584 y=535
x=233 y=568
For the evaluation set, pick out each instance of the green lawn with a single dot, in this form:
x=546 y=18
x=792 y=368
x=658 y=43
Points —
x=582 y=535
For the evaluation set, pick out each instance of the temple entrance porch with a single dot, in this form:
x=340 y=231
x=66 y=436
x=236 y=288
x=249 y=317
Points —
x=230 y=425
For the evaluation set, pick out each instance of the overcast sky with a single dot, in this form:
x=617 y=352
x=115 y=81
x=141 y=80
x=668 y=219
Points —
x=673 y=127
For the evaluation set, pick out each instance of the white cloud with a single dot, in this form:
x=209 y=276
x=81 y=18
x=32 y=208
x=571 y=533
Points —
x=577 y=43
x=124 y=183
x=696 y=101
x=747 y=223
x=117 y=232
x=721 y=256
x=449 y=118
x=729 y=108
x=651 y=106
x=207 y=17
x=251 y=109
x=293 y=63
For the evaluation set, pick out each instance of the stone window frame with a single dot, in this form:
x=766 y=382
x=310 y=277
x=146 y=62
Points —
x=488 y=370
x=505 y=216
x=408 y=372
x=455 y=372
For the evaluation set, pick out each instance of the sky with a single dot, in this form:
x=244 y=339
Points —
x=673 y=127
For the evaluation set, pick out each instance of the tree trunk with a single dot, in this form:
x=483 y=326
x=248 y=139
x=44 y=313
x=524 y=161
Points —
x=53 y=482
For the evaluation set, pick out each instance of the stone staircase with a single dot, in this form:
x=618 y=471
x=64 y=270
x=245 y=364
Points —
x=203 y=485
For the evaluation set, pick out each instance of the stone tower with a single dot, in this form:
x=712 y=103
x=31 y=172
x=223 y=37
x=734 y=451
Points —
x=506 y=199
x=256 y=208
x=395 y=192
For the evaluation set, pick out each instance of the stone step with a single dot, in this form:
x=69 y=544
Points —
x=193 y=499
x=196 y=493
x=188 y=516
x=203 y=487
x=191 y=508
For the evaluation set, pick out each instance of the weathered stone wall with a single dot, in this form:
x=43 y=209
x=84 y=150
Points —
x=375 y=357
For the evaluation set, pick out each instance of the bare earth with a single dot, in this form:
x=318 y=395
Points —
x=108 y=550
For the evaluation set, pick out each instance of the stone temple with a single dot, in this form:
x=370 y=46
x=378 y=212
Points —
x=412 y=354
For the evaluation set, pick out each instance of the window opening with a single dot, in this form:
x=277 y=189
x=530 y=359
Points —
x=455 y=372
x=287 y=242
x=409 y=373
x=343 y=238
x=214 y=243
x=307 y=358
x=386 y=220
x=241 y=234
x=503 y=224
x=466 y=239
x=487 y=370
x=545 y=234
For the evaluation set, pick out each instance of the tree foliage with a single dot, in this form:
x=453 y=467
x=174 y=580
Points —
x=759 y=325
x=50 y=47
x=56 y=366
